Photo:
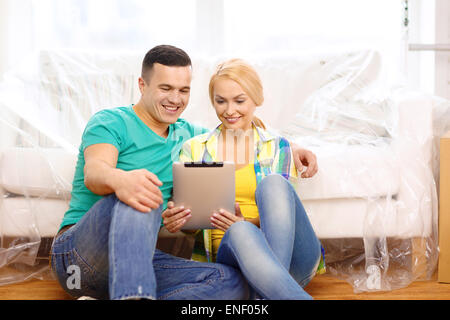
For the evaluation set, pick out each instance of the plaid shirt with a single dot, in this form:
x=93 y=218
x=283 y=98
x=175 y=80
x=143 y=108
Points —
x=272 y=155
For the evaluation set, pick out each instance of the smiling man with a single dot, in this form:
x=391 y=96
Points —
x=122 y=182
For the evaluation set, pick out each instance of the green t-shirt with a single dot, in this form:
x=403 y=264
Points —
x=139 y=148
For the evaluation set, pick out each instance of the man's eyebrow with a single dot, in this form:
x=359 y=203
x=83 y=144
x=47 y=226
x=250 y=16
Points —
x=166 y=85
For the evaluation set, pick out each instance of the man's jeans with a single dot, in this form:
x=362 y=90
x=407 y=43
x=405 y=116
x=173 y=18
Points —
x=110 y=254
x=282 y=256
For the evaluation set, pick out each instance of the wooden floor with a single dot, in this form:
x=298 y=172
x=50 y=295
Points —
x=323 y=287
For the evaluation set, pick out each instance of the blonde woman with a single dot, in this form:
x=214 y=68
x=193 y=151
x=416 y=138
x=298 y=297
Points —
x=269 y=237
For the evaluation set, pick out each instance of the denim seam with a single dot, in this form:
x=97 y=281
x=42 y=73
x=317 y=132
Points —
x=62 y=238
x=91 y=269
x=113 y=257
x=134 y=296
x=310 y=276
x=239 y=263
x=168 y=266
x=188 y=288
x=210 y=281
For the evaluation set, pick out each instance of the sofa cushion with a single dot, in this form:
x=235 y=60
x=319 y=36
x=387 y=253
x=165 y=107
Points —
x=351 y=172
x=344 y=172
x=31 y=217
x=37 y=172
x=364 y=218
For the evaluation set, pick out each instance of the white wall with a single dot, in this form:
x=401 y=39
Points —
x=442 y=58
x=16 y=34
x=428 y=70
x=3 y=35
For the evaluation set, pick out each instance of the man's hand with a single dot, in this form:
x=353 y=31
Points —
x=139 y=189
x=303 y=157
x=174 y=218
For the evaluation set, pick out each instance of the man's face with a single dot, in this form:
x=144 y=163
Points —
x=166 y=91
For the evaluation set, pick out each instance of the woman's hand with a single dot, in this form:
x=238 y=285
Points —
x=223 y=219
x=174 y=218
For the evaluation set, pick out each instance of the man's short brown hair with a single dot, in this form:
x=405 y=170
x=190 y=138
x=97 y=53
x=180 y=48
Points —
x=166 y=55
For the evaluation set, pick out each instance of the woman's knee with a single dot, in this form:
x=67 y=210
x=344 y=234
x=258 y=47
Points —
x=240 y=230
x=273 y=179
x=242 y=239
x=273 y=185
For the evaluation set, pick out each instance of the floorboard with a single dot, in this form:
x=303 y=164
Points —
x=323 y=287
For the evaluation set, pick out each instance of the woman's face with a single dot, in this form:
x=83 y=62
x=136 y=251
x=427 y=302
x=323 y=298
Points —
x=233 y=106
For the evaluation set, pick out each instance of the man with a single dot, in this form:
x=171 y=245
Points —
x=122 y=182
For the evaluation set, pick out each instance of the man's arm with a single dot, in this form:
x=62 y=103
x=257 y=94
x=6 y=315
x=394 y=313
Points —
x=137 y=188
x=100 y=172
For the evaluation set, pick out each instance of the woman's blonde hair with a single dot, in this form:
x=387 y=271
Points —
x=246 y=76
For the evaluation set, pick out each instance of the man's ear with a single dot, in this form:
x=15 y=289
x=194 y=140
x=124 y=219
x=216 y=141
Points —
x=141 y=83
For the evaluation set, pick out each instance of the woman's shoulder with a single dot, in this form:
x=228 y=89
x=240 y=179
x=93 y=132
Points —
x=193 y=148
x=271 y=135
x=198 y=139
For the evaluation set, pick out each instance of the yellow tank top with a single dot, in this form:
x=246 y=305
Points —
x=245 y=180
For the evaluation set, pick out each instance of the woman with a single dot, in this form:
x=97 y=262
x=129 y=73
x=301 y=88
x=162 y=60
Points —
x=269 y=237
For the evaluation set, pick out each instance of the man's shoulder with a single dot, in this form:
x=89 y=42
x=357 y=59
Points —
x=114 y=118
x=117 y=112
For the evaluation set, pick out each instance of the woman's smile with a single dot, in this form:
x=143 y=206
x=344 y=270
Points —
x=232 y=120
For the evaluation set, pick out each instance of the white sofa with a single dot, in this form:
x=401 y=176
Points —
x=373 y=202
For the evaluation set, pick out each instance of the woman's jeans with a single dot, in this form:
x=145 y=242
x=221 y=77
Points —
x=282 y=256
x=110 y=254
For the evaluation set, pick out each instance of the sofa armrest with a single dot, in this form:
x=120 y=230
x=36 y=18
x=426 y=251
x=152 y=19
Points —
x=18 y=172
x=413 y=145
x=415 y=121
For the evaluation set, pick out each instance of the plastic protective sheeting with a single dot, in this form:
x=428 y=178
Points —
x=373 y=202
x=45 y=104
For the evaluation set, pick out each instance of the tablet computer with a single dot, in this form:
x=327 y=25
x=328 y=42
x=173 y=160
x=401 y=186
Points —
x=203 y=188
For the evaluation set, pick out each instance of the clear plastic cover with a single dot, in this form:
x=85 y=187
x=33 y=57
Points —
x=373 y=202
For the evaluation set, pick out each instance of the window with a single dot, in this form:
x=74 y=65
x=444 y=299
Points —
x=212 y=27
x=113 y=24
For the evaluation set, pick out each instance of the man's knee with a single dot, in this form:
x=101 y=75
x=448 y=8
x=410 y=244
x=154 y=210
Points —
x=122 y=206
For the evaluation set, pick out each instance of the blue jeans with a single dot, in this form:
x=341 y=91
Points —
x=282 y=256
x=112 y=252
